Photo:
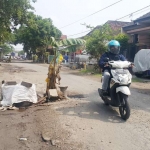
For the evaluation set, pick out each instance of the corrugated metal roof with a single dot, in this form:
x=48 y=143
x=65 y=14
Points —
x=133 y=23
x=129 y=24
x=144 y=16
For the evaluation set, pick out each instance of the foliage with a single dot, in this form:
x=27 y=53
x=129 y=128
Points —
x=21 y=53
x=12 y=13
x=92 y=72
x=35 y=58
x=35 y=36
x=135 y=79
x=96 y=42
x=6 y=48
x=72 y=45
x=123 y=40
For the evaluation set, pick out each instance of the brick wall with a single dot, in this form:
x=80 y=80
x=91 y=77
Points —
x=144 y=39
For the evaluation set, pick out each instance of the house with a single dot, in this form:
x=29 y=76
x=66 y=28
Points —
x=114 y=25
x=139 y=33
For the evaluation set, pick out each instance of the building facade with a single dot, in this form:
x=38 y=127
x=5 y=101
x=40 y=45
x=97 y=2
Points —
x=139 y=33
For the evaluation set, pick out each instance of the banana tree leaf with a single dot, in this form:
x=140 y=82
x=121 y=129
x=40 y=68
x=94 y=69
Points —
x=72 y=48
x=51 y=42
x=71 y=45
x=69 y=42
x=68 y=45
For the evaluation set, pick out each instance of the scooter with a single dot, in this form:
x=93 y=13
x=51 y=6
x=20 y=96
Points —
x=118 y=90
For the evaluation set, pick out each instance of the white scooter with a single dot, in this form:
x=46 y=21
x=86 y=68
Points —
x=118 y=89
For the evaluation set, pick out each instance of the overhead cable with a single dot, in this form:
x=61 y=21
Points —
x=118 y=19
x=80 y=33
x=91 y=14
x=132 y=13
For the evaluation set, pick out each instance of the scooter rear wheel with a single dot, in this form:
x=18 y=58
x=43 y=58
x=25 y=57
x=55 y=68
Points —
x=124 y=109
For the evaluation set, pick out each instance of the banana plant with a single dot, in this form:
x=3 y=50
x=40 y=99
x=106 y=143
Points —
x=68 y=45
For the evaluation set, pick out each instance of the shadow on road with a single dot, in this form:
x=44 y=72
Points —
x=90 y=110
x=91 y=107
x=142 y=90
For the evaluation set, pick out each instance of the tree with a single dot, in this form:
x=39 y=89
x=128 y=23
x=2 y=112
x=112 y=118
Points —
x=123 y=40
x=12 y=13
x=53 y=70
x=6 y=48
x=36 y=34
x=21 y=52
x=96 y=42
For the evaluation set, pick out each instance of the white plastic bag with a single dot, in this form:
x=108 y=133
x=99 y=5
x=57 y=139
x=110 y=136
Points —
x=22 y=93
x=18 y=93
x=142 y=60
x=7 y=91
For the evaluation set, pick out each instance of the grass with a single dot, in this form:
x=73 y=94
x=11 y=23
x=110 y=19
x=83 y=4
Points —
x=97 y=74
x=92 y=72
x=85 y=71
x=135 y=79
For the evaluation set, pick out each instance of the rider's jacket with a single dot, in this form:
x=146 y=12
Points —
x=111 y=56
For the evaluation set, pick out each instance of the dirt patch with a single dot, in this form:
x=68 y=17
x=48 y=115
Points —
x=10 y=69
x=30 y=124
x=143 y=88
x=75 y=95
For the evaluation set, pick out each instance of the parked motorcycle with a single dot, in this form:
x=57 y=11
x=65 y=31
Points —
x=118 y=90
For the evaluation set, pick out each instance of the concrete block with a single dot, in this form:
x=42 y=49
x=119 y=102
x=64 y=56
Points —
x=26 y=84
x=52 y=93
x=10 y=83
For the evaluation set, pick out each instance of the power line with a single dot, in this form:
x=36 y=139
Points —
x=138 y=14
x=115 y=20
x=132 y=13
x=91 y=14
x=80 y=33
x=141 y=12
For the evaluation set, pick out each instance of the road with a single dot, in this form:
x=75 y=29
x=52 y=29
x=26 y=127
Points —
x=90 y=123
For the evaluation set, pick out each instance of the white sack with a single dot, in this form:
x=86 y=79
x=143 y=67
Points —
x=22 y=93
x=18 y=93
x=142 y=60
x=7 y=91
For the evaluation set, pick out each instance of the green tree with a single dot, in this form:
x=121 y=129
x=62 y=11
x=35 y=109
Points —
x=21 y=52
x=123 y=40
x=96 y=42
x=12 y=13
x=36 y=34
x=6 y=48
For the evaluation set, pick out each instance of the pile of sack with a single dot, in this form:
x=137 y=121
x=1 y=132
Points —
x=14 y=93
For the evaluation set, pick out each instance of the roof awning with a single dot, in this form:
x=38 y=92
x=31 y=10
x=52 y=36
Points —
x=140 y=30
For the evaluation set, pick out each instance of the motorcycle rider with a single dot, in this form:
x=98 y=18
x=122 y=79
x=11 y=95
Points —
x=112 y=54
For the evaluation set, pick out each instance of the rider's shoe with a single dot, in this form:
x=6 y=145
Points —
x=104 y=93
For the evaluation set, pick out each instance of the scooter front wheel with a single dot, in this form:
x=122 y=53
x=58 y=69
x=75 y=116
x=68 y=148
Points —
x=124 y=109
x=102 y=97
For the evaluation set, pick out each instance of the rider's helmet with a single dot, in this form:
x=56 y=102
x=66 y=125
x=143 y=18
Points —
x=114 y=47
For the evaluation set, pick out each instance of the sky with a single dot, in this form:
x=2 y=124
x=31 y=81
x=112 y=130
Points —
x=65 y=12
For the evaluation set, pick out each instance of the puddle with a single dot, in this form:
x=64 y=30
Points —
x=77 y=96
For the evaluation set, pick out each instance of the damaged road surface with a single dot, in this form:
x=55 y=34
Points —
x=82 y=122
x=34 y=128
